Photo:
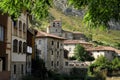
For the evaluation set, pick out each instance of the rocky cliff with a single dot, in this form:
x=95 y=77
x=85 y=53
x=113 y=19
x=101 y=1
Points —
x=69 y=10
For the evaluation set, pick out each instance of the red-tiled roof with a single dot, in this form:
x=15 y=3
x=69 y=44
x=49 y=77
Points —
x=44 y=34
x=75 y=42
x=104 y=48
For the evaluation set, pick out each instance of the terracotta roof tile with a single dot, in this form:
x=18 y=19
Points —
x=106 y=48
x=75 y=42
x=44 y=34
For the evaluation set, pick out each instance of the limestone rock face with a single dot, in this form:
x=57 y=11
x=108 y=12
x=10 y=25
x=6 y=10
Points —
x=70 y=10
x=114 y=25
x=66 y=9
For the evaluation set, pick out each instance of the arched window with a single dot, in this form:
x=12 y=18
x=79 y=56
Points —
x=24 y=27
x=20 y=46
x=15 y=45
x=24 y=47
x=20 y=25
x=15 y=23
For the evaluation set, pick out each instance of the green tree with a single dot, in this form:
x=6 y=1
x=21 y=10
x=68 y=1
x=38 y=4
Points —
x=81 y=54
x=98 y=12
x=102 y=62
x=116 y=64
x=38 y=69
x=38 y=8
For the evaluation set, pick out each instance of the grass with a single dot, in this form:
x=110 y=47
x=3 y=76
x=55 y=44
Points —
x=72 y=23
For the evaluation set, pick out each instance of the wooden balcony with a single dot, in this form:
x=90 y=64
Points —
x=5 y=75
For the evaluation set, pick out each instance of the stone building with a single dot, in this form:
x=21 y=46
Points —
x=19 y=47
x=55 y=28
x=50 y=49
x=109 y=52
x=70 y=45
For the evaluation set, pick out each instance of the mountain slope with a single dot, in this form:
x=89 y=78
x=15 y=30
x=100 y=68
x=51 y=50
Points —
x=74 y=23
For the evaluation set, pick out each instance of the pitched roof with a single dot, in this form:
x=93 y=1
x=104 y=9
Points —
x=41 y=34
x=104 y=48
x=75 y=42
x=77 y=33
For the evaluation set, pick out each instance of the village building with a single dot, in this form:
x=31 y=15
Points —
x=70 y=45
x=30 y=49
x=55 y=28
x=109 y=52
x=5 y=46
x=19 y=47
x=50 y=49
x=74 y=35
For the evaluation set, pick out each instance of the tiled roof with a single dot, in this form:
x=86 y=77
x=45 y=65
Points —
x=75 y=42
x=44 y=34
x=57 y=21
x=104 y=48
x=77 y=33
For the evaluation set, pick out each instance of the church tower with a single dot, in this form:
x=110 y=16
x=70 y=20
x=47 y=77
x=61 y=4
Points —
x=55 y=28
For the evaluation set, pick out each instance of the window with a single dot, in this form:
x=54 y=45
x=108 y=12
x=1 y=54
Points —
x=20 y=25
x=24 y=27
x=66 y=63
x=22 y=70
x=1 y=33
x=58 y=24
x=20 y=46
x=57 y=54
x=15 y=45
x=14 y=69
x=52 y=52
x=52 y=43
x=51 y=63
x=57 y=63
x=39 y=41
x=57 y=44
x=24 y=47
x=53 y=24
x=15 y=23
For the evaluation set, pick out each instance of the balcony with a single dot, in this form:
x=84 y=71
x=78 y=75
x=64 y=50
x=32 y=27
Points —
x=5 y=75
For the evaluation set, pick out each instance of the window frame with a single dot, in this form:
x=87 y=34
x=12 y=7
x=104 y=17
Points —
x=1 y=33
x=15 y=45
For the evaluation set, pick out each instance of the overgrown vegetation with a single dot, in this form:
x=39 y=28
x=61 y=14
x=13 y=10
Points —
x=81 y=54
x=105 y=66
x=98 y=12
x=100 y=34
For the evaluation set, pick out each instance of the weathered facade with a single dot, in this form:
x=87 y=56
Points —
x=109 y=52
x=55 y=28
x=19 y=47
x=70 y=45
x=50 y=49
x=5 y=46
